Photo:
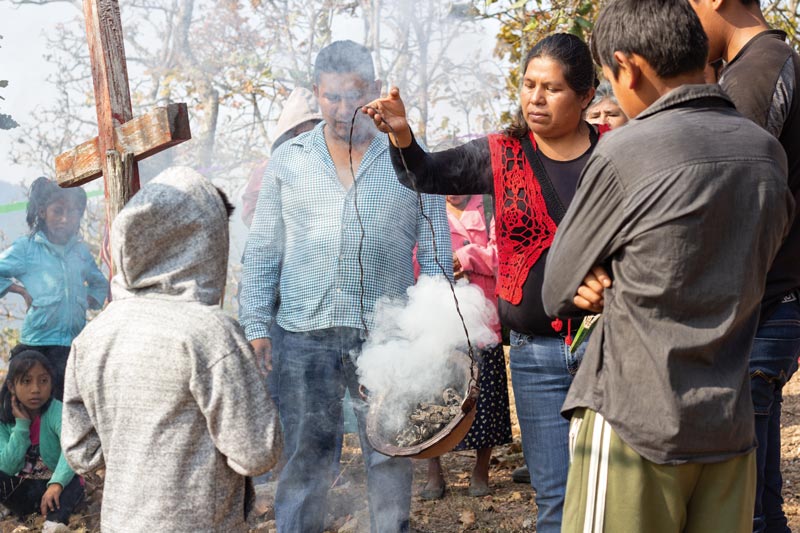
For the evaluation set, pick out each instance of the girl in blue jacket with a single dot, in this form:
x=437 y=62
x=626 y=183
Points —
x=34 y=476
x=54 y=273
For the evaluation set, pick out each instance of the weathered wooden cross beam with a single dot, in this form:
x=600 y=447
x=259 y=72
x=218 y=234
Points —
x=122 y=139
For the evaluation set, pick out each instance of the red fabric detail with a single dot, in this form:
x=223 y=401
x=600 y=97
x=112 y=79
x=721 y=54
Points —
x=35 y=430
x=524 y=229
x=601 y=129
x=557 y=325
x=568 y=339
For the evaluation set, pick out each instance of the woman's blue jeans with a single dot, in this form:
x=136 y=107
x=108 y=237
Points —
x=313 y=371
x=541 y=373
x=773 y=360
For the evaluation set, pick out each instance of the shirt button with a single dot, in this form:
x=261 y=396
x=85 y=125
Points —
x=338 y=289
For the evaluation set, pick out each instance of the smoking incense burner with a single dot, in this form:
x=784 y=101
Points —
x=441 y=424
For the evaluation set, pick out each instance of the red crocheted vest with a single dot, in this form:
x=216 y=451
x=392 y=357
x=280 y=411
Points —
x=524 y=229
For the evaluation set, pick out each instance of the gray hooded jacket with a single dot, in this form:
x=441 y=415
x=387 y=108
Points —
x=163 y=387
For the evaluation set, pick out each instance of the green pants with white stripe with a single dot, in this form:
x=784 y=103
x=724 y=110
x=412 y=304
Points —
x=613 y=489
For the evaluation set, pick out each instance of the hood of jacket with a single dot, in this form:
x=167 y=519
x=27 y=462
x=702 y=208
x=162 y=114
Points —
x=171 y=240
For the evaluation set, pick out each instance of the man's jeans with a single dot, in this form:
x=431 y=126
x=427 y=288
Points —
x=773 y=360
x=541 y=373
x=315 y=367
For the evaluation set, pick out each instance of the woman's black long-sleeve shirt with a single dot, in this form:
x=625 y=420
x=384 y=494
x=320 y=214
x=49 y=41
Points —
x=467 y=169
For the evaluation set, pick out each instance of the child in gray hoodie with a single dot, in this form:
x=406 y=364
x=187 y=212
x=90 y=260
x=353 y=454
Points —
x=162 y=388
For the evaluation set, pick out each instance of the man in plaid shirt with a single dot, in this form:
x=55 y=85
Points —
x=304 y=245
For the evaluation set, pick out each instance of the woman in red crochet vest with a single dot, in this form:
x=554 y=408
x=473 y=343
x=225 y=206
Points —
x=532 y=169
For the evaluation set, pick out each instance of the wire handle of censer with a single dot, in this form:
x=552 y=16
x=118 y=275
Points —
x=473 y=385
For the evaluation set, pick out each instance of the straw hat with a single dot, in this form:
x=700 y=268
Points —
x=301 y=106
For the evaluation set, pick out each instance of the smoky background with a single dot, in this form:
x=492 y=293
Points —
x=234 y=63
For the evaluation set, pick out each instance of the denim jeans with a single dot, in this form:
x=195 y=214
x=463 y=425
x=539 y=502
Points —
x=315 y=367
x=541 y=373
x=773 y=360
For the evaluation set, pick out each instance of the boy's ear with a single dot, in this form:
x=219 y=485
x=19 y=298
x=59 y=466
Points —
x=629 y=70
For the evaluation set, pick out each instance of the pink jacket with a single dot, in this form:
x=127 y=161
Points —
x=475 y=247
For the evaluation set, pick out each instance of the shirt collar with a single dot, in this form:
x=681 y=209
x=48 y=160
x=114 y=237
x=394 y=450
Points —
x=685 y=95
x=780 y=35
x=41 y=238
x=314 y=140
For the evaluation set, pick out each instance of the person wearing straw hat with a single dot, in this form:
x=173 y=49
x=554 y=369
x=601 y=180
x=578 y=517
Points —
x=300 y=114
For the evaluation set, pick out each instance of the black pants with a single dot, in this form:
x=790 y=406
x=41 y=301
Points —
x=24 y=497
x=57 y=355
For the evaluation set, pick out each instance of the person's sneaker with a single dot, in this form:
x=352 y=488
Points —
x=521 y=475
x=54 y=527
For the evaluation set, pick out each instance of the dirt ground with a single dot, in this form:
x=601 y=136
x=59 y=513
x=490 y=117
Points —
x=510 y=508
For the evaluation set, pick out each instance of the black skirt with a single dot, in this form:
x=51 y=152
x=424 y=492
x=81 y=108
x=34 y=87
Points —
x=492 y=426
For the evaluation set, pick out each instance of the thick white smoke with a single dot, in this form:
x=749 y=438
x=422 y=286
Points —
x=405 y=357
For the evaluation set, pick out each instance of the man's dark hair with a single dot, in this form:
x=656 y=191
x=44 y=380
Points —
x=344 y=57
x=666 y=33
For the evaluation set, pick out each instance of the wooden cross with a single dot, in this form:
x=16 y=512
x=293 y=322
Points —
x=123 y=139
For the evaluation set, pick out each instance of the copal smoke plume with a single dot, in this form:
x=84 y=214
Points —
x=405 y=357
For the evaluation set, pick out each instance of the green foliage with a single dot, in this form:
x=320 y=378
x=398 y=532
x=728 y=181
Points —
x=523 y=23
x=785 y=15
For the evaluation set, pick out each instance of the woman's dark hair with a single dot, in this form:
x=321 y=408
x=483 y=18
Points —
x=19 y=365
x=667 y=34
x=43 y=193
x=576 y=62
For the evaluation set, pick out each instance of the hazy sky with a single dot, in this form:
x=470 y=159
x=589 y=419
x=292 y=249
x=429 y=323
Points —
x=21 y=63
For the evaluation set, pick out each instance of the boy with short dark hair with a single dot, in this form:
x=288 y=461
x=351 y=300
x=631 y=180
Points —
x=685 y=207
x=762 y=77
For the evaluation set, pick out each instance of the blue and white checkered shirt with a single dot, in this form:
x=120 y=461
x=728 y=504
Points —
x=304 y=239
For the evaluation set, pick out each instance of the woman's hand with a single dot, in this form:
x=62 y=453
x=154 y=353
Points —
x=18 y=410
x=458 y=270
x=589 y=296
x=389 y=114
x=51 y=499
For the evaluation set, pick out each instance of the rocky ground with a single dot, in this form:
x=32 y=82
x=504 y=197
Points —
x=510 y=508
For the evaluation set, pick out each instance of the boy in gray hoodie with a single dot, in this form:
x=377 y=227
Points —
x=162 y=388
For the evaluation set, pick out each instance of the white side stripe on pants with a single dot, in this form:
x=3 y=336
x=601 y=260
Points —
x=598 y=477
